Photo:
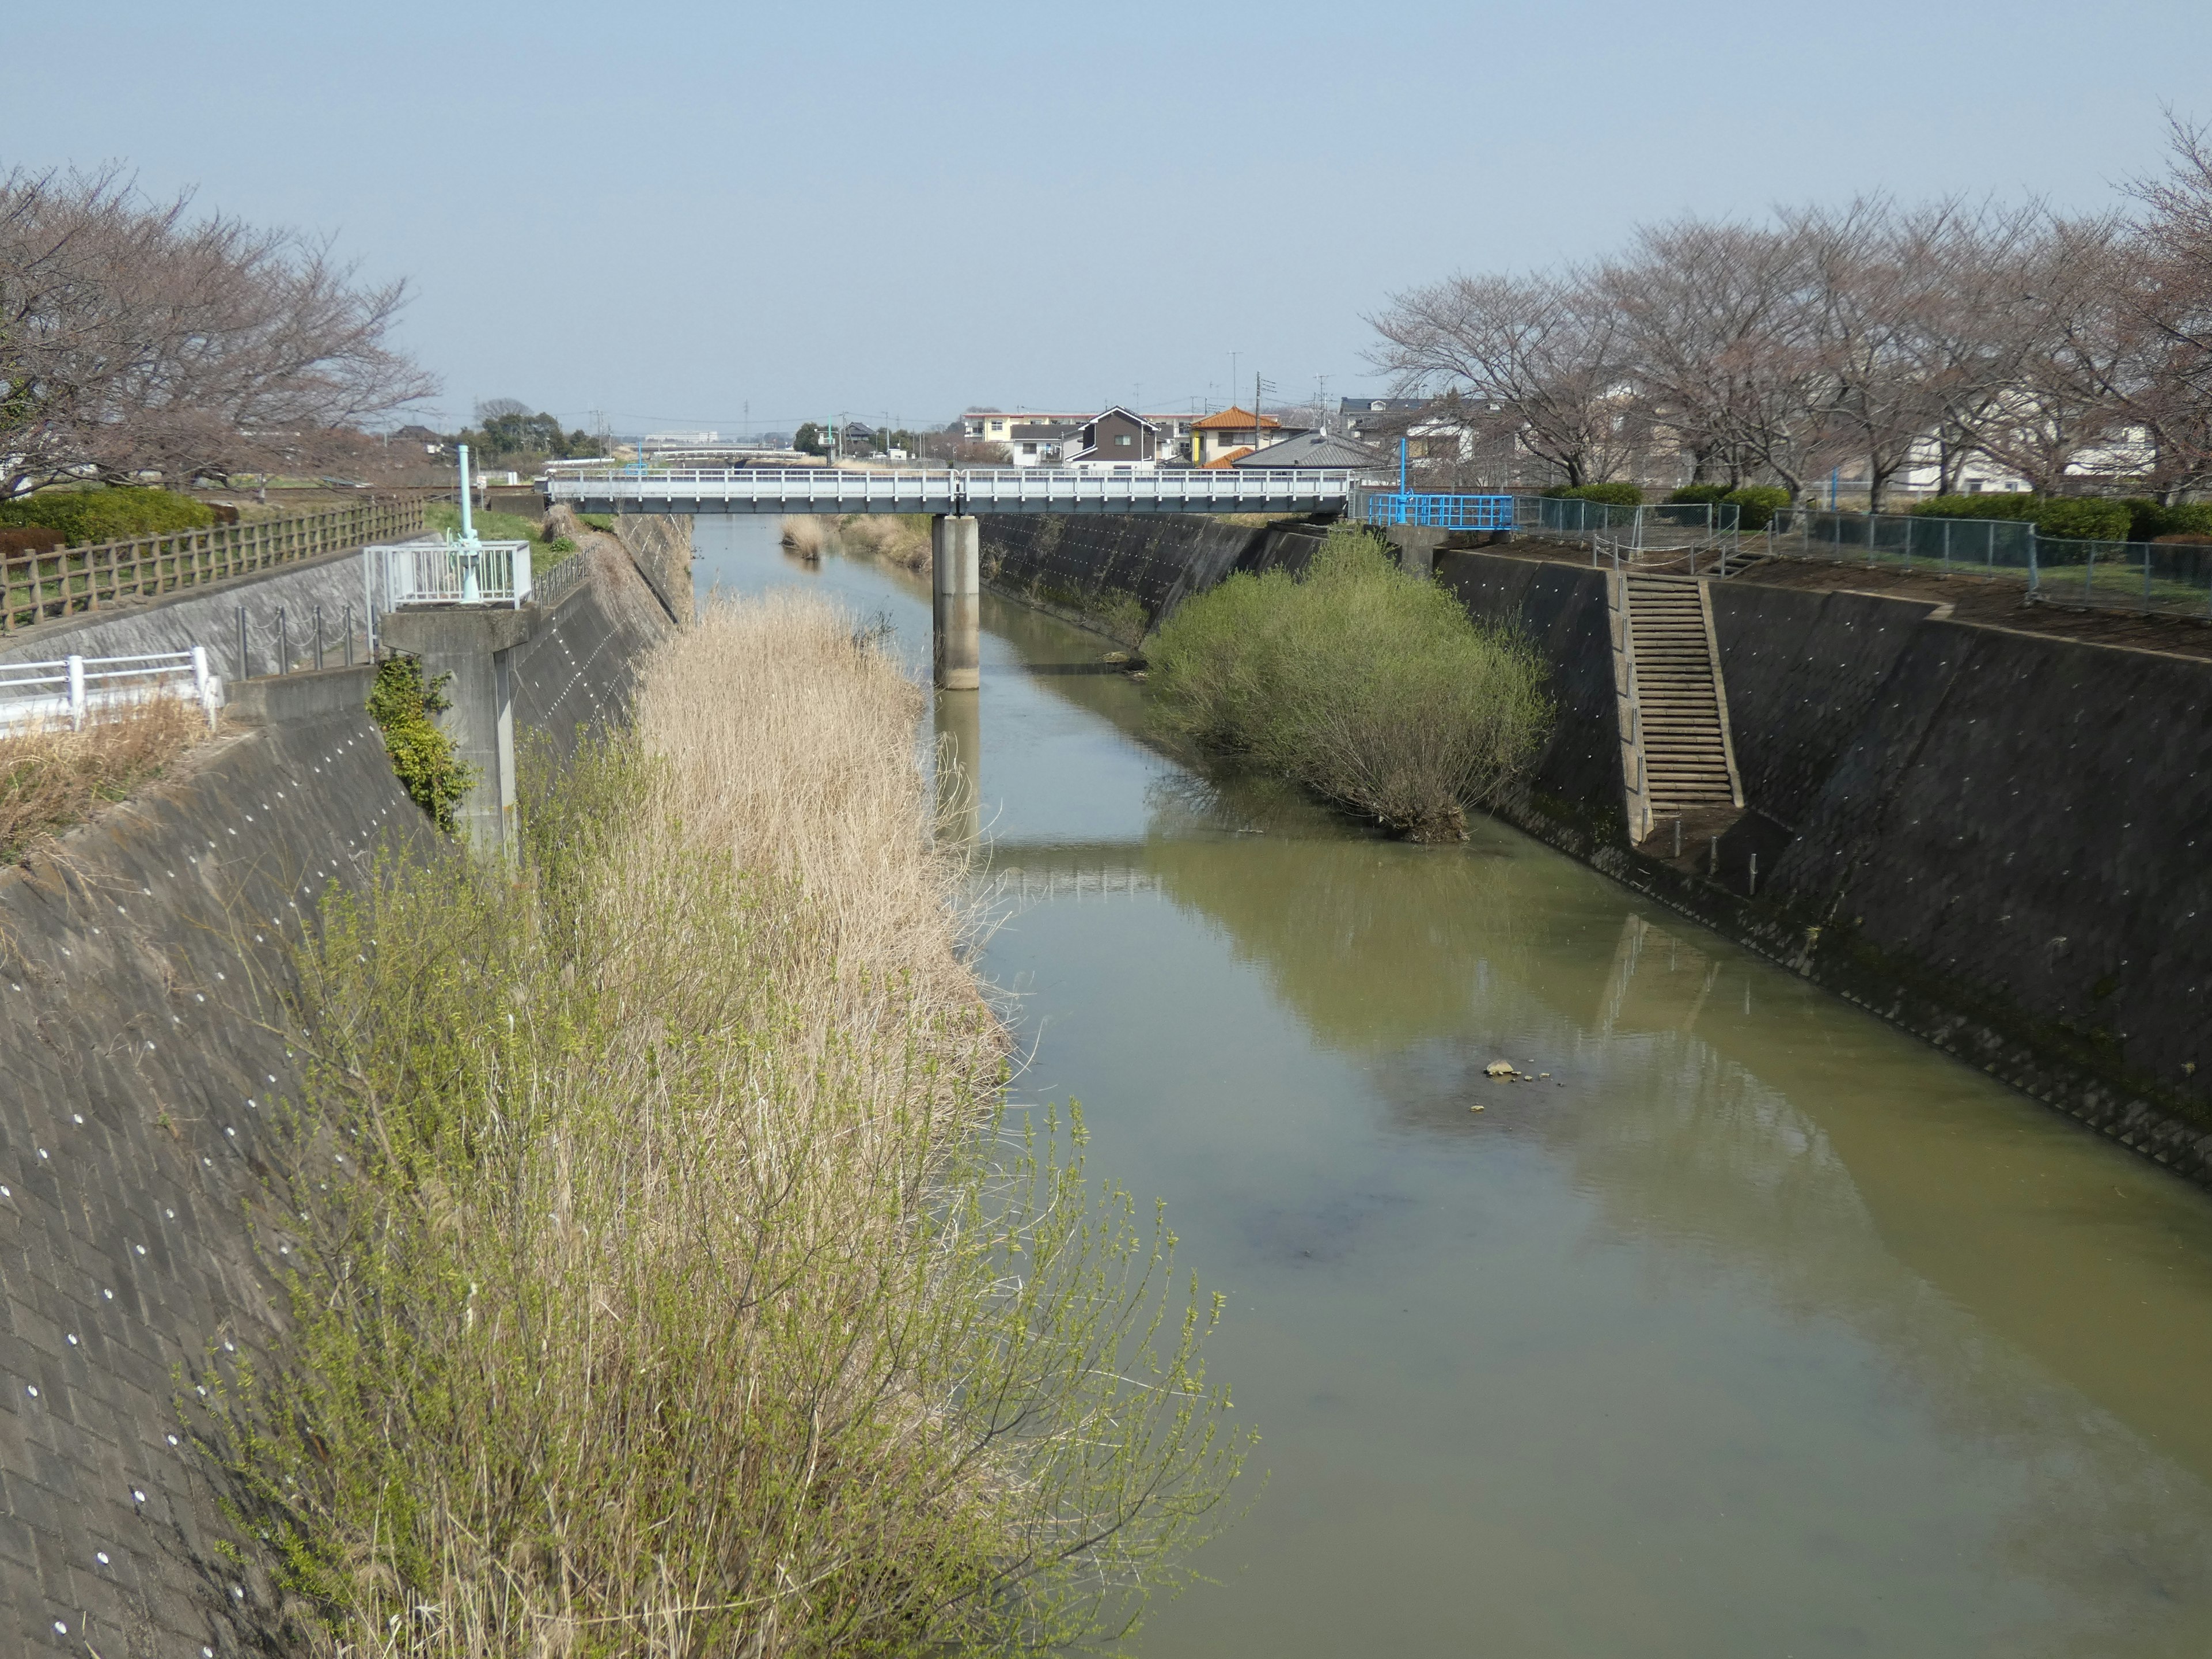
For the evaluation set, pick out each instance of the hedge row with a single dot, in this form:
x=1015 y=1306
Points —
x=107 y=515
x=2079 y=518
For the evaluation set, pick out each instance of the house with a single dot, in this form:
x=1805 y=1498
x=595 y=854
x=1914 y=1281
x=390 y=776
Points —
x=1316 y=449
x=1214 y=438
x=997 y=426
x=1116 y=441
x=1038 y=442
x=1371 y=420
x=431 y=443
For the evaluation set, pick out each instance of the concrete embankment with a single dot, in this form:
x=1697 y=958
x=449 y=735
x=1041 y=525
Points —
x=144 y=973
x=1989 y=838
x=1070 y=565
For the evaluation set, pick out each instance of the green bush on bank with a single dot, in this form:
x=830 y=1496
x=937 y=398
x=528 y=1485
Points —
x=2066 y=518
x=425 y=760
x=85 y=516
x=1611 y=494
x=2147 y=519
x=1370 y=686
x=1760 y=503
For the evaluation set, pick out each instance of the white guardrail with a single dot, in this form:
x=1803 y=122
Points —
x=999 y=489
x=78 y=688
x=438 y=573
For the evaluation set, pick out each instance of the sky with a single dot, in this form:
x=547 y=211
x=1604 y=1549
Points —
x=741 y=217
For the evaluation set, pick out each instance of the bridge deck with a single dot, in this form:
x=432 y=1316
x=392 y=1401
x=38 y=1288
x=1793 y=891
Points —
x=1005 y=489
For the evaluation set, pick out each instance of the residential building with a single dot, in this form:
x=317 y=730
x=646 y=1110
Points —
x=996 y=426
x=1318 y=449
x=1218 y=440
x=1114 y=439
x=1038 y=443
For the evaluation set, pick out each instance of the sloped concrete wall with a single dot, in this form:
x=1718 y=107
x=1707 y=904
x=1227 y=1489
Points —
x=1162 y=559
x=209 y=616
x=1996 y=839
x=143 y=1040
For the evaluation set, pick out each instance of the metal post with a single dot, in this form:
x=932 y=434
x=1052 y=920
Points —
x=1678 y=835
x=284 y=648
x=1946 y=547
x=245 y=668
x=349 y=636
x=76 y=665
x=203 y=684
x=2034 y=570
x=1750 y=887
x=1401 y=464
x=318 y=639
x=1716 y=866
x=468 y=522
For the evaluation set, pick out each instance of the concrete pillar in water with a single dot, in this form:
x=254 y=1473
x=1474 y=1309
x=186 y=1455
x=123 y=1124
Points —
x=477 y=649
x=957 y=635
x=959 y=768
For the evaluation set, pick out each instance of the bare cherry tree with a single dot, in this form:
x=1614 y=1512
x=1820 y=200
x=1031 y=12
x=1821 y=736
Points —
x=1548 y=353
x=2169 y=300
x=135 y=338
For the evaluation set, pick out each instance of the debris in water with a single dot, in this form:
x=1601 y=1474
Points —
x=1476 y=1107
x=1500 y=1068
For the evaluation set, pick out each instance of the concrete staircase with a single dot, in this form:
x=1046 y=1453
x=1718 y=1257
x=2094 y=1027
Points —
x=1683 y=764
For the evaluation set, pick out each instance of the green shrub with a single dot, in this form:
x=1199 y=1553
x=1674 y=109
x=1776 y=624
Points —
x=85 y=516
x=1759 y=503
x=1698 y=494
x=401 y=703
x=1612 y=495
x=2010 y=506
x=1121 y=617
x=2147 y=520
x=2082 y=517
x=1370 y=686
x=2072 y=517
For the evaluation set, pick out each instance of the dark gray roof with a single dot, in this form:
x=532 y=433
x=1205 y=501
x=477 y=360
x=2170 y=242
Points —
x=1312 y=449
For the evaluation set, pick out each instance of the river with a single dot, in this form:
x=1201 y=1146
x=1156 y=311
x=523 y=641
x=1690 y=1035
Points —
x=1756 y=1328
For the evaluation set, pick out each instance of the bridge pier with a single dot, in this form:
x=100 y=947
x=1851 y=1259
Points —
x=957 y=595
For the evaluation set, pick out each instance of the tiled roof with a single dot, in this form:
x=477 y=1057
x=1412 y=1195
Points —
x=1233 y=419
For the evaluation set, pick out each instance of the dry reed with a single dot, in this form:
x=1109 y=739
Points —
x=679 y=1305
x=53 y=777
x=899 y=538
x=806 y=535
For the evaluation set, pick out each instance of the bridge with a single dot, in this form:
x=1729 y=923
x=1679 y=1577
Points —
x=956 y=494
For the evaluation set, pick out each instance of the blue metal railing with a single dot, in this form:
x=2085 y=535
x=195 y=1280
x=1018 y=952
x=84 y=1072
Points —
x=1442 y=512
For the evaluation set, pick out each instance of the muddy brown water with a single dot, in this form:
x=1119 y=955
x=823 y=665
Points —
x=1756 y=1328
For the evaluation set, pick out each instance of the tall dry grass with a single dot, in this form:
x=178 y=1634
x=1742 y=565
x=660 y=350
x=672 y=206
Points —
x=680 y=1296
x=806 y=535
x=899 y=538
x=53 y=777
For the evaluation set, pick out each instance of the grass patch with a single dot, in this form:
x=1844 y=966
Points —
x=662 y=1284
x=1371 y=686
x=490 y=526
x=428 y=766
x=52 y=779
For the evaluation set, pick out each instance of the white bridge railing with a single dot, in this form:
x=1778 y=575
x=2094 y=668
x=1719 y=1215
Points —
x=999 y=489
x=79 y=689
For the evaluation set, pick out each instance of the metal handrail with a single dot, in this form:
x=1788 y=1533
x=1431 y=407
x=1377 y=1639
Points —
x=814 y=489
x=88 y=683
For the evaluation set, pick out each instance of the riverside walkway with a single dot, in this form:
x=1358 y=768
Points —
x=956 y=493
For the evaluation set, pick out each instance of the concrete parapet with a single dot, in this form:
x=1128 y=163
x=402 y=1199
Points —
x=476 y=649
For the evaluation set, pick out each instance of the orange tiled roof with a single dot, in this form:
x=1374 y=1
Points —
x=1231 y=457
x=1229 y=419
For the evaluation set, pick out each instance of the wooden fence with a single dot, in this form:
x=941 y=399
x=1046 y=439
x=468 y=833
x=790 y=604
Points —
x=35 y=587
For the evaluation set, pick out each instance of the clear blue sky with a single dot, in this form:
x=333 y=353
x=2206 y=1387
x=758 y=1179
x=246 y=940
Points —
x=672 y=211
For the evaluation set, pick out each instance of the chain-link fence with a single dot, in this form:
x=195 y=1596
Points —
x=2164 y=577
